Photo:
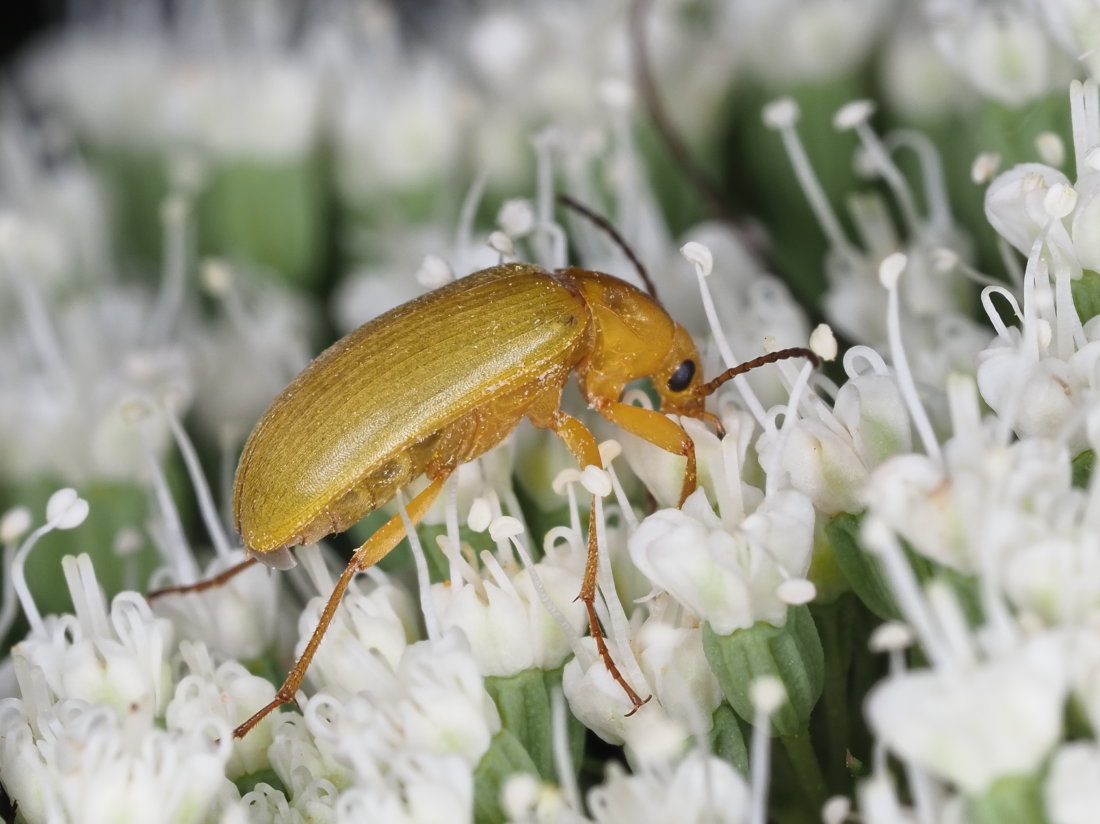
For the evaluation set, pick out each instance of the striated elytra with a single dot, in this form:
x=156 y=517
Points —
x=438 y=381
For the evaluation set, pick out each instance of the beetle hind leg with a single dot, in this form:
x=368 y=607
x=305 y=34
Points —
x=376 y=547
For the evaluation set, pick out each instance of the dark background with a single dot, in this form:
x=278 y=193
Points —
x=21 y=21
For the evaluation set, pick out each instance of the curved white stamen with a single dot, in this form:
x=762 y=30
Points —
x=62 y=512
x=868 y=356
x=207 y=510
x=790 y=417
x=993 y=315
x=88 y=604
x=889 y=272
x=933 y=180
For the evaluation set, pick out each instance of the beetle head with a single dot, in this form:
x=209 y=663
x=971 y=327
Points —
x=678 y=379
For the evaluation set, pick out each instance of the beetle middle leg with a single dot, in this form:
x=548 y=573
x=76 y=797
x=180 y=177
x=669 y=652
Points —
x=582 y=444
x=376 y=547
x=201 y=586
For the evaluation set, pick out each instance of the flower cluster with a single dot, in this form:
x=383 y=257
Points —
x=881 y=603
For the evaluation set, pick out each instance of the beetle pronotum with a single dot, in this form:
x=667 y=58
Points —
x=438 y=381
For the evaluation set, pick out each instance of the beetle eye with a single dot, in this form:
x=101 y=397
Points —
x=681 y=378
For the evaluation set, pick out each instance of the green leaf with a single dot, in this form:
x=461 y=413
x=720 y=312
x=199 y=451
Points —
x=524 y=706
x=506 y=756
x=1086 y=295
x=1082 y=468
x=1012 y=800
x=792 y=653
x=727 y=738
x=271 y=214
x=859 y=566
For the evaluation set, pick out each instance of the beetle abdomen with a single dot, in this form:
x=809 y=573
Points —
x=361 y=420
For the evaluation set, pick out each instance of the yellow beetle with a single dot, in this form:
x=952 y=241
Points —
x=438 y=381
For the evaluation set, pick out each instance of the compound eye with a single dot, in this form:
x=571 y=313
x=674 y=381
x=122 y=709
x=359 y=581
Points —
x=681 y=378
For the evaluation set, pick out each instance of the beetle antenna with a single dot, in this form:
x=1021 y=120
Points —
x=605 y=224
x=709 y=387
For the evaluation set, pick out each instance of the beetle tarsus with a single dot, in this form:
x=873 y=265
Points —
x=605 y=654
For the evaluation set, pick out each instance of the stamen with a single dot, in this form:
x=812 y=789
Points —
x=933 y=180
x=699 y=256
x=563 y=756
x=782 y=116
x=467 y=215
x=889 y=272
x=609 y=451
x=906 y=590
x=549 y=239
x=39 y=327
x=207 y=509
x=767 y=695
x=173 y=544
x=423 y=580
x=64 y=510
x=175 y=214
x=849 y=118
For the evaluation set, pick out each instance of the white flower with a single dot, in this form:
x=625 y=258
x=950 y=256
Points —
x=727 y=576
x=117 y=658
x=596 y=699
x=1072 y=788
x=972 y=725
x=416 y=789
x=367 y=636
x=828 y=454
x=239 y=618
x=433 y=702
x=229 y=693
x=672 y=659
x=83 y=765
x=1001 y=51
x=698 y=788
x=503 y=617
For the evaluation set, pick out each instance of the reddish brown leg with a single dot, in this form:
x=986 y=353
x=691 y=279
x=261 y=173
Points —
x=657 y=429
x=376 y=547
x=210 y=583
x=583 y=445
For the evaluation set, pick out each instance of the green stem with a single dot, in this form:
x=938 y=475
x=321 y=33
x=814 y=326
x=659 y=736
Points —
x=836 y=627
x=803 y=760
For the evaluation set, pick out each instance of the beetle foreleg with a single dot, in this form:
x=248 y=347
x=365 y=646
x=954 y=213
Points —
x=658 y=430
x=582 y=443
x=376 y=547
